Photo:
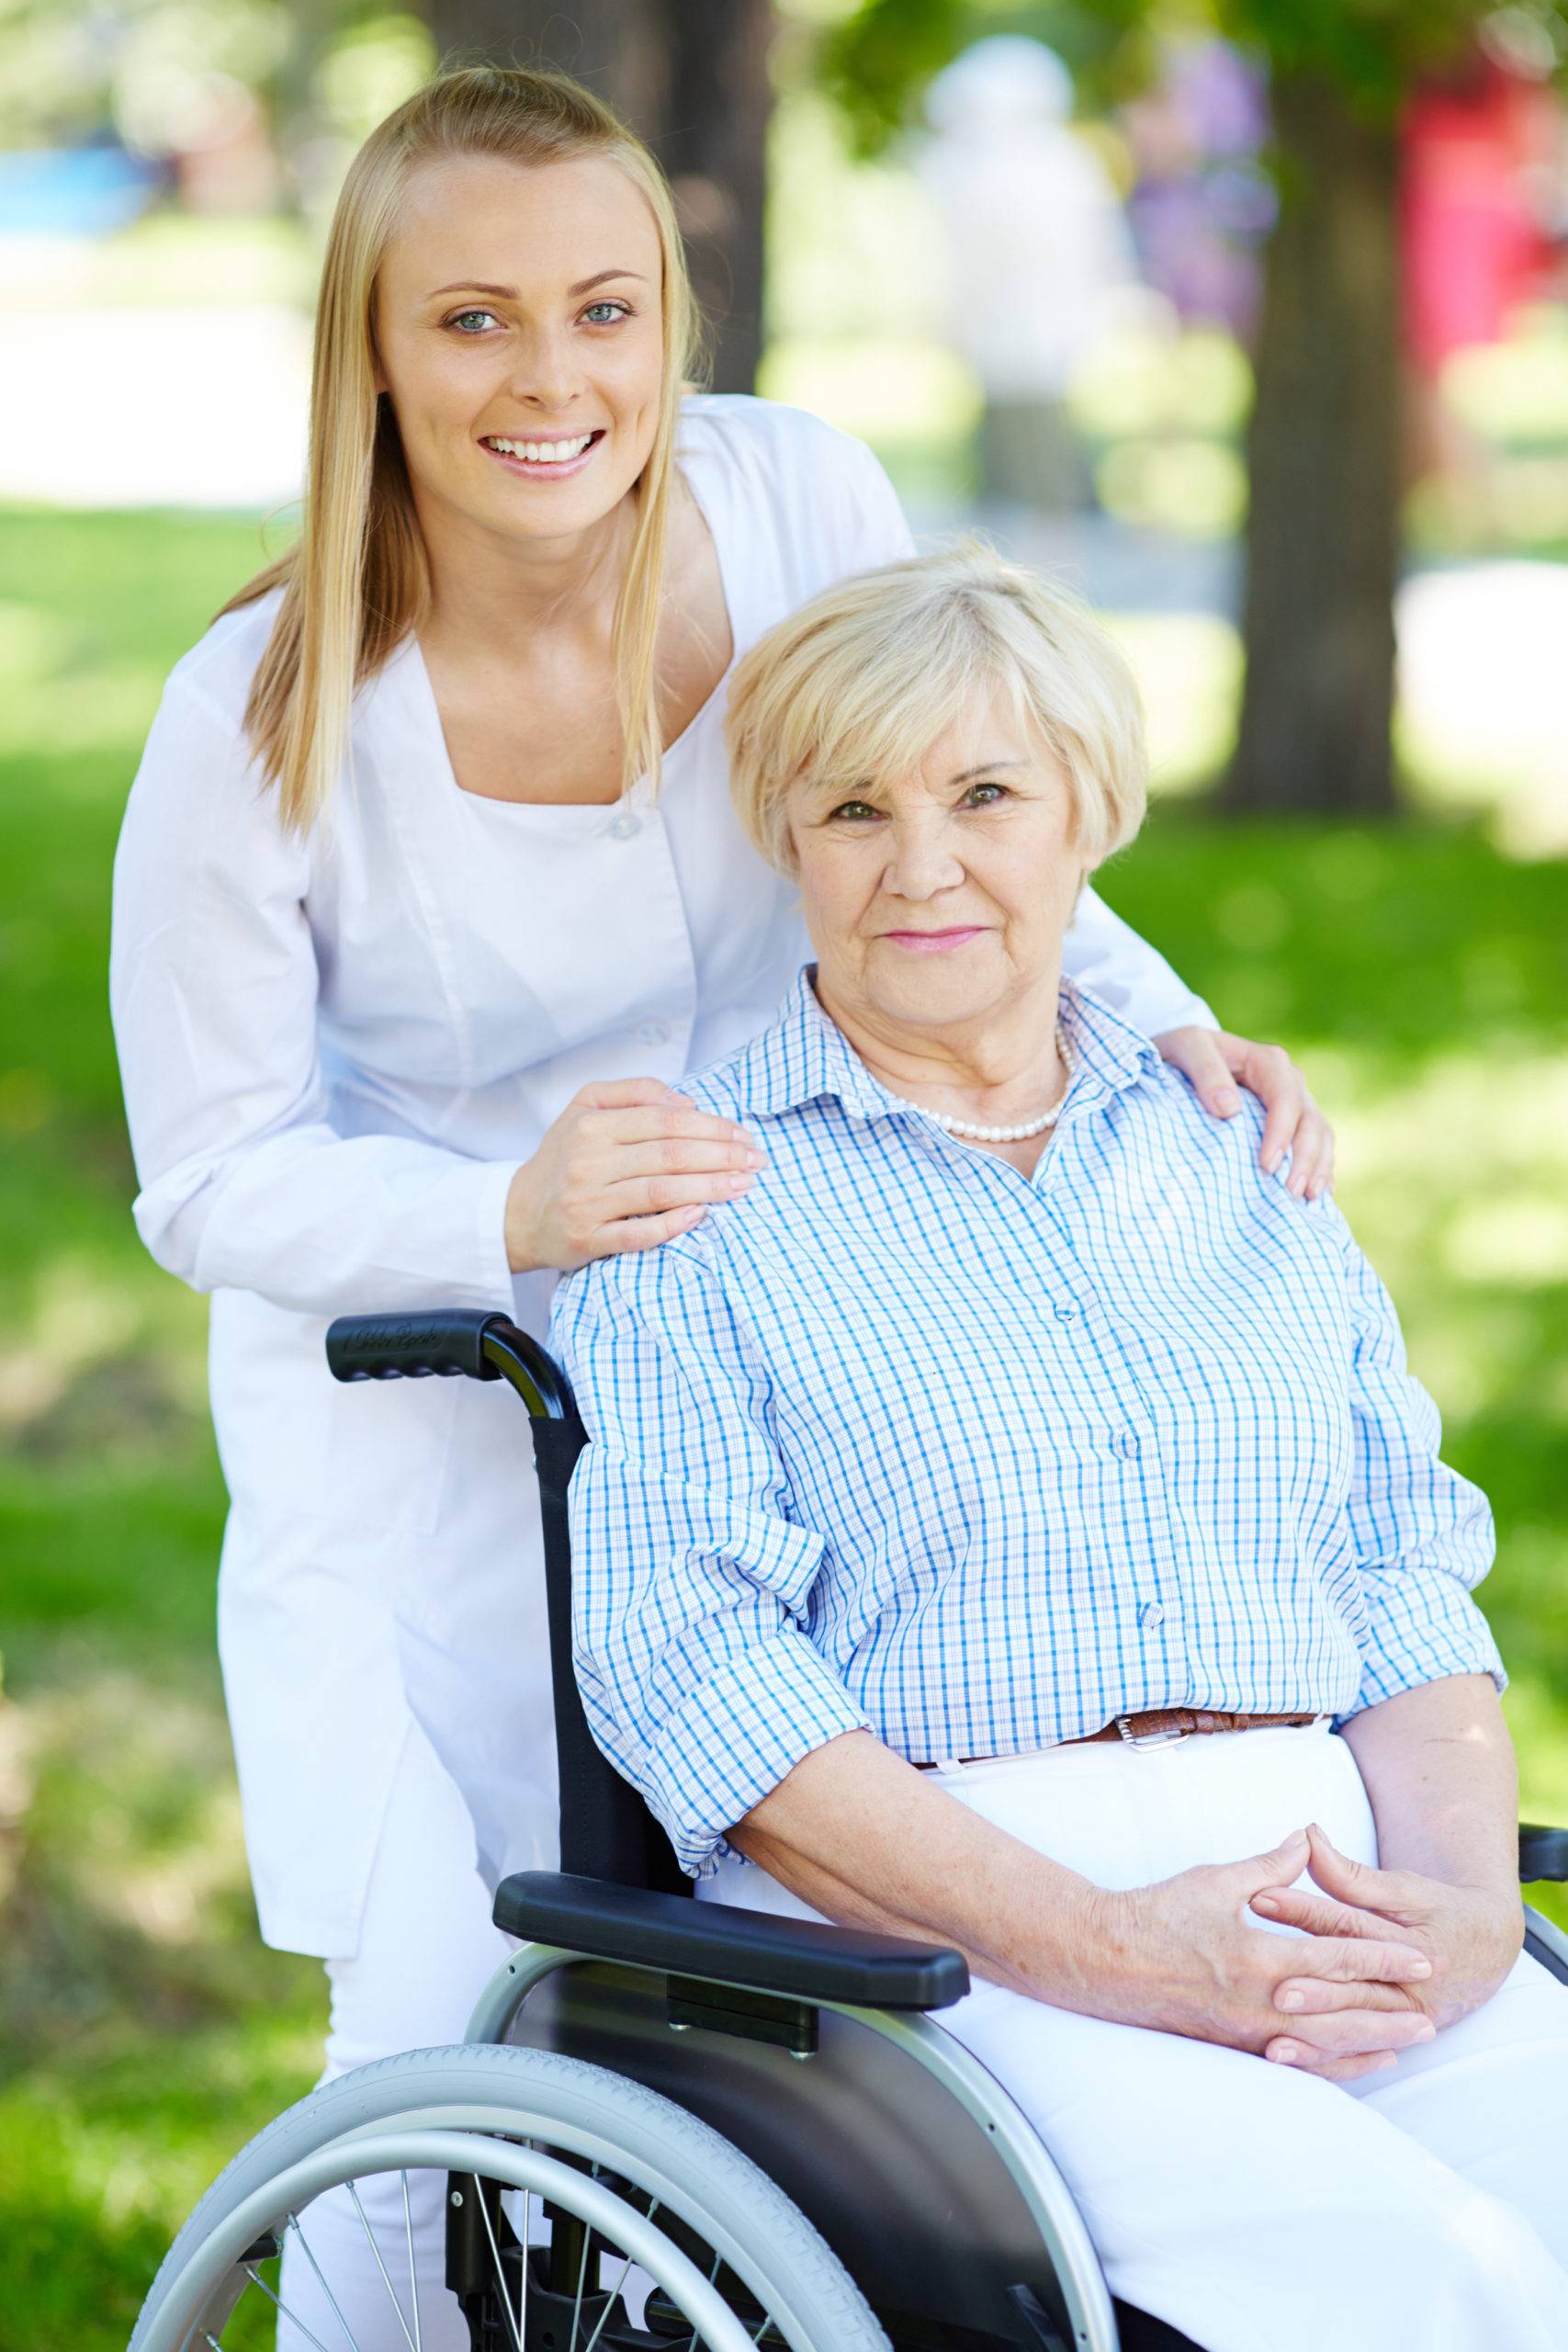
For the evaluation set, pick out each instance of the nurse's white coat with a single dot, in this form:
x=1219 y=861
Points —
x=334 y=1054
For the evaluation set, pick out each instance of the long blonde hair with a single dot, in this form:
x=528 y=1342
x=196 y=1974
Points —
x=356 y=582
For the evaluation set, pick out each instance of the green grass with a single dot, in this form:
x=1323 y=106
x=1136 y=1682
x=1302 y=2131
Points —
x=143 y=2031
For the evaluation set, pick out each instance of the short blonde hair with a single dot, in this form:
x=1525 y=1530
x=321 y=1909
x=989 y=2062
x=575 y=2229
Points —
x=863 y=679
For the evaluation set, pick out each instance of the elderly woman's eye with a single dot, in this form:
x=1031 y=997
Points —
x=854 y=813
x=985 y=796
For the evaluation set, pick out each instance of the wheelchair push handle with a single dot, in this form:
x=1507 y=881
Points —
x=466 y=1340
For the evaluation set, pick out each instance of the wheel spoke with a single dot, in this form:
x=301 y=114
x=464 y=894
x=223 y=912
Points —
x=284 y=2312
x=306 y=2248
x=495 y=2256
x=614 y=2295
x=391 y=2290
x=713 y=2275
x=413 y=2282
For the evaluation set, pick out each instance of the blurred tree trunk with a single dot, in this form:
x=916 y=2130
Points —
x=1322 y=526
x=691 y=77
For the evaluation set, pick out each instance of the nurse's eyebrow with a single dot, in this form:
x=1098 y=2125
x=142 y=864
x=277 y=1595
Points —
x=508 y=293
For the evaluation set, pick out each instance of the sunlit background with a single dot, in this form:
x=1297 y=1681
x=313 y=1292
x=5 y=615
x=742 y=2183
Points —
x=167 y=169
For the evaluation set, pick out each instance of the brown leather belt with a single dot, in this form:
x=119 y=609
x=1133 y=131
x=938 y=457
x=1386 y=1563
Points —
x=1156 y=1728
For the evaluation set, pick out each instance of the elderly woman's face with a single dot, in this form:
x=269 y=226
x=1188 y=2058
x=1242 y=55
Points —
x=939 y=896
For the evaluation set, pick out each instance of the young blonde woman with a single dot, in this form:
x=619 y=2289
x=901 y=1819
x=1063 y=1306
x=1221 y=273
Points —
x=429 y=894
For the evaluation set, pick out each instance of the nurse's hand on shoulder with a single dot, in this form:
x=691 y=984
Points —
x=1216 y=1063
x=627 y=1165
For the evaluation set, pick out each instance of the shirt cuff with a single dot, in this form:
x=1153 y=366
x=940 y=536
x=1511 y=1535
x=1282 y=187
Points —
x=492 y=1268
x=735 y=1737
x=1427 y=1628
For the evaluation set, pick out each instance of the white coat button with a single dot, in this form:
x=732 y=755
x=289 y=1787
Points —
x=623 y=826
x=652 y=1033
x=1151 y=1614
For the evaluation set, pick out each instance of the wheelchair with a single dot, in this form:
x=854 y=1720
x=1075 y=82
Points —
x=673 y=2124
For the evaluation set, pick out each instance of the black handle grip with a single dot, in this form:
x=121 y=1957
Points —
x=1543 y=1853
x=412 y=1347
x=467 y=1339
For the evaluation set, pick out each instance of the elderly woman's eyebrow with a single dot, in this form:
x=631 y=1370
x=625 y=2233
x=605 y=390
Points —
x=987 y=768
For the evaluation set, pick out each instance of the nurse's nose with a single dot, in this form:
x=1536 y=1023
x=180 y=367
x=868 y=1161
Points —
x=548 y=375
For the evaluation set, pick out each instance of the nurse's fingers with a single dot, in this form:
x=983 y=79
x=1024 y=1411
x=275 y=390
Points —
x=623 y=1094
x=655 y=1195
x=637 y=1163
x=671 y=1119
x=648 y=1232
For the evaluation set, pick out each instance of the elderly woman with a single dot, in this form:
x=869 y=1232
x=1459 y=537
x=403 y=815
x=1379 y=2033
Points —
x=1013 y=1524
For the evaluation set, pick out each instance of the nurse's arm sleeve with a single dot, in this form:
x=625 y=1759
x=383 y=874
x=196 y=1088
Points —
x=1102 y=953
x=689 y=1577
x=214 y=983
x=878 y=530
x=1422 y=1535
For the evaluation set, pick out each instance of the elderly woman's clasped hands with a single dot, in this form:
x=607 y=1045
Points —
x=1193 y=1960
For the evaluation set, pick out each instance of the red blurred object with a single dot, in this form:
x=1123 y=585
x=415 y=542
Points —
x=1474 y=154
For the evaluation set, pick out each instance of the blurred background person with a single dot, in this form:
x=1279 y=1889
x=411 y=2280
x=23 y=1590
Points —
x=1040 y=261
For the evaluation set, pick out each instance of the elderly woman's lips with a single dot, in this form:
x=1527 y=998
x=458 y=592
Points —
x=932 y=943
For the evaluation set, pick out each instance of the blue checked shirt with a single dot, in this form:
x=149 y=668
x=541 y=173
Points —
x=906 y=1440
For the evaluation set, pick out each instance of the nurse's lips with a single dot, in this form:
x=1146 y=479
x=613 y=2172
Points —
x=935 y=942
x=537 y=458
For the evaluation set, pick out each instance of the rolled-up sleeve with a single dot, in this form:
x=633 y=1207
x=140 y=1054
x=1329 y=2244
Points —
x=1423 y=1535
x=691 y=1579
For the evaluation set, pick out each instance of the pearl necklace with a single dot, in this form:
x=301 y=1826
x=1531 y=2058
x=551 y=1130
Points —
x=978 y=1134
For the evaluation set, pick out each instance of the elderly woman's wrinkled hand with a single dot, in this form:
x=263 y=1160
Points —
x=1472 y=1935
x=1216 y=1063
x=1182 y=1956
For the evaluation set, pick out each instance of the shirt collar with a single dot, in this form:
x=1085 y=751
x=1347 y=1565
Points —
x=806 y=1056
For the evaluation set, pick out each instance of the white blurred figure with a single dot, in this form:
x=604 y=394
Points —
x=1041 y=258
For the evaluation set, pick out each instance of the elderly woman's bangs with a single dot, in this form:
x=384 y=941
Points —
x=864 y=680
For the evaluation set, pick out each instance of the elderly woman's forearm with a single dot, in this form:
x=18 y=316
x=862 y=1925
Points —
x=862 y=1835
x=1439 y=1771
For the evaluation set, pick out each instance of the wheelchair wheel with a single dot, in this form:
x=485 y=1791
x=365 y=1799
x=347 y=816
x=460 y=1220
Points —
x=581 y=2209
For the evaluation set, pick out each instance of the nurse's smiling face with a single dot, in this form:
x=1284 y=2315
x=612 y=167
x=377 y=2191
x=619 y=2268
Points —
x=520 y=341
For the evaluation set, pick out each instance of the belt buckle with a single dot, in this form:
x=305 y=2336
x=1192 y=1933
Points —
x=1146 y=1738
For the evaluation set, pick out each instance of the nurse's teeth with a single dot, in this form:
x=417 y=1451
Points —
x=542 y=453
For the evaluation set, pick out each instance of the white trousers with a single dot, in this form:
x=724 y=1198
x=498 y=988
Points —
x=1256 y=2208
x=426 y=1947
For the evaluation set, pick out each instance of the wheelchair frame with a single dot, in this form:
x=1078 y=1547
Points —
x=615 y=1925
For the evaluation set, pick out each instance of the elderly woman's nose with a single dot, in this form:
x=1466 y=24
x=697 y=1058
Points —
x=920 y=859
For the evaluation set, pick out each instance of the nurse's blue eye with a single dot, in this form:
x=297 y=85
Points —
x=463 y=321
x=604 y=314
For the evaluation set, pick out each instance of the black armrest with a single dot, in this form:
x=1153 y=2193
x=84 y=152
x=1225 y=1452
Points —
x=1543 y=1853
x=727 y=1946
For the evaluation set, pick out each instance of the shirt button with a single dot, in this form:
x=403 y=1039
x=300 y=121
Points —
x=1067 y=1314
x=1151 y=1614
x=623 y=826
x=1126 y=1443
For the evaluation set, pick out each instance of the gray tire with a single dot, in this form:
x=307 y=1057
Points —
x=564 y=2105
